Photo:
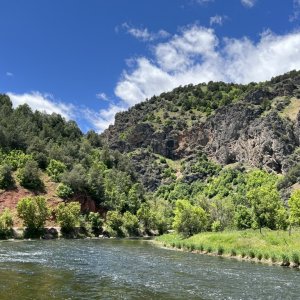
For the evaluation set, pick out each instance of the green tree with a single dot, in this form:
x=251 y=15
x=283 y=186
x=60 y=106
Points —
x=6 y=223
x=6 y=178
x=130 y=223
x=243 y=217
x=76 y=178
x=114 y=222
x=96 y=222
x=147 y=217
x=64 y=191
x=265 y=202
x=294 y=205
x=67 y=215
x=55 y=169
x=189 y=219
x=29 y=176
x=34 y=212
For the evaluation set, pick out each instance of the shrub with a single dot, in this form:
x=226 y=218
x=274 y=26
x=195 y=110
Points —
x=295 y=259
x=6 y=224
x=29 y=176
x=209 y=249
x=242 y=217
x=67 y=215
x=189 y=219
x=6 y=179
x=233 y=252
x=34 y=212
x=96 y=222
x=64 y=191
x=220 y=250
x=114 y=222
x=285 y=260
x=55 y=169
x=216 y=226
x=251 y=254
x=130 y=223
x=76 y=178
x=259 y=256
x=266 y=256
x=243 y=254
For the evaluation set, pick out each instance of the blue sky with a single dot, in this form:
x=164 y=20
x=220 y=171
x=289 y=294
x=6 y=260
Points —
x=90 y=59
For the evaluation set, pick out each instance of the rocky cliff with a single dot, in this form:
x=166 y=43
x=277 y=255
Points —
x=257 y=125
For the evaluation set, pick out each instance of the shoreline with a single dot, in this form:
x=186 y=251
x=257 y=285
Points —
x=239 y=257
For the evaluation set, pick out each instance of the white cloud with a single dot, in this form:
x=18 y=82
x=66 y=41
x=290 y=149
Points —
x=248 y=3
x=217 y=19
x=9 y=74
x=43 y=103
x=102 y=119
x=144 y=34
x=193 y=55
x=198 y=55
x=88 y=117
x=102 y=96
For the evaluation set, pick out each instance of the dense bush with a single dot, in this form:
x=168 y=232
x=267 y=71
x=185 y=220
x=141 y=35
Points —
x=95 y=221
x=64 y=191
x=6 y=224
x=6 y=178
x=189 y=219
x=114 y=223
x=130 y=223
x=294 y=204
x=29 y=176
x=34 y=212
x=55 y=169
x=67 y=215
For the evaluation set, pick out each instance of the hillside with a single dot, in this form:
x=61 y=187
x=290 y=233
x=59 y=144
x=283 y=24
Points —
x=255 y=124
x=226 y=154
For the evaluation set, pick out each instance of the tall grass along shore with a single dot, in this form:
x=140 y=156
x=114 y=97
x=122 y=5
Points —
x=274 y=247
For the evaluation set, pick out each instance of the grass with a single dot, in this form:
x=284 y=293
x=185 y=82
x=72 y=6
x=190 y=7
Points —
x=274 y=246
x=292 y=109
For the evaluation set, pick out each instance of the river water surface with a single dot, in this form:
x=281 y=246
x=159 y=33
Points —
x=133 y=269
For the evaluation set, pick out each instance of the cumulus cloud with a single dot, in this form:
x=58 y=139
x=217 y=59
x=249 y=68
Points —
x=43 y=103
x=144 y=34
x=196 y=55
x=102 y=119
x=248 y=3
x=217 y=19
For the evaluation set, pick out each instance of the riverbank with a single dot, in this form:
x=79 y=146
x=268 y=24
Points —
x=272 y=247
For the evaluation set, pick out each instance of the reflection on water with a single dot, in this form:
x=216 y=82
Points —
x=128 y=269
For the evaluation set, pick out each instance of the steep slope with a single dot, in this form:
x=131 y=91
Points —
x=255 y=124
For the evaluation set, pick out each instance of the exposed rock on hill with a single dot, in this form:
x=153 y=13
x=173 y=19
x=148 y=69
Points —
x=251 y=124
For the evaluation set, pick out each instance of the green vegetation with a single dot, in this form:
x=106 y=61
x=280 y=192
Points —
x=142 y=177
x=6 y=224
x=68 y=216
x=275 y=246
x=29 y=176
x=189 y=219
x=34 y=212
x=6 y=178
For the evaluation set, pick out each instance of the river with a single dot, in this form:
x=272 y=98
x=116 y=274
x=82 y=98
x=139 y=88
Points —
x=133 y=269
